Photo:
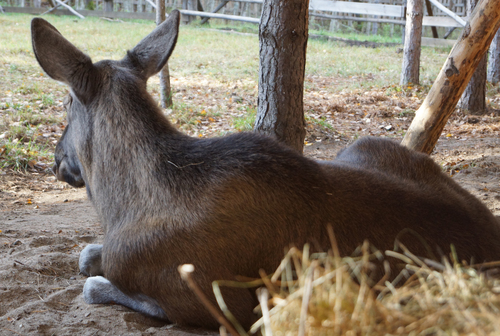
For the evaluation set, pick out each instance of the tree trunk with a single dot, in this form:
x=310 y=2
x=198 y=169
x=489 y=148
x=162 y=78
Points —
x=494 y=62
x=463 y=60
x=473 y=100
x=413 y=38
x=283 y=34
x=165 y=90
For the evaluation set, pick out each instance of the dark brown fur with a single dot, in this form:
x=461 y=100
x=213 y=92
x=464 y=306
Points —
x=232 y=205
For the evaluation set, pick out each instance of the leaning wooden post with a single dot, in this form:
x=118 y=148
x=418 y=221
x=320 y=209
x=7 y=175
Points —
x=165 y=91
x=462 y=61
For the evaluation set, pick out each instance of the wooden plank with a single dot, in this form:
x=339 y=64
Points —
x=437 y=42
x=250 y=1
x=70 y=9
x=53 y=8
x=27 y=10
x=221 y=5
x=427 y=21
x=440 y=21
x=356 y=8
x=448 y=12
x=220 y=16
x=114 y=15
x=360 y=19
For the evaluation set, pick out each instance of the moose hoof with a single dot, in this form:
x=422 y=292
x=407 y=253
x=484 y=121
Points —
x=90 y=260
x=98 y=289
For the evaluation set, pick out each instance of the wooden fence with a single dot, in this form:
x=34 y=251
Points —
x=325 y=14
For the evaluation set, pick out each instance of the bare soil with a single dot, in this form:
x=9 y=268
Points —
x=44 y=224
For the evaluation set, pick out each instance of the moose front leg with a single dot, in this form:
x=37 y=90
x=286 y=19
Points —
x=100 y=290
x=90 y=262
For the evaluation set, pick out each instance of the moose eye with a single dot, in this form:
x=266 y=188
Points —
x=67 y=101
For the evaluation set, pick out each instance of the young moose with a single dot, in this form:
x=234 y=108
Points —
x=228 y=205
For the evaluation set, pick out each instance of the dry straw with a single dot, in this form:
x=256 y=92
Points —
x=324 y=294
x=335 y=296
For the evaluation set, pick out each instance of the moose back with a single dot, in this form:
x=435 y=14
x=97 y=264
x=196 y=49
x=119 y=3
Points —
x=229 y=205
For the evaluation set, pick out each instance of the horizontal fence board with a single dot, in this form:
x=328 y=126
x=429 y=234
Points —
x=433 y=42
x=448 y=12
x=113 y=15
x=359 y=19
x=250 y=1
x=220 y=16
x=440 y=21
x=356 y=8
x=427 y=21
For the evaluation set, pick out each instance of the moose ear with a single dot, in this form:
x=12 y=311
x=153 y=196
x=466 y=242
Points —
x=152 y=52
x=60 y=59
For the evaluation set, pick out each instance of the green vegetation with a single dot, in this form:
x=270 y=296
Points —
x=20 y=155
x=246 y=121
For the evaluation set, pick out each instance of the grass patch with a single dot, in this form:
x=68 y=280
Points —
x=186 y=116
x=245 y=121
x=320 y=122
x=19 y=155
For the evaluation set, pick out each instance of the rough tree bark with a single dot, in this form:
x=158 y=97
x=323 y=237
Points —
x=165 y=91
x=465 y=56
x=473 y=100
x=413 y=39
x=494 y=61
x=283 y=34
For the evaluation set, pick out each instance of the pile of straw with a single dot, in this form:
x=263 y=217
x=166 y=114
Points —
x=324 y=294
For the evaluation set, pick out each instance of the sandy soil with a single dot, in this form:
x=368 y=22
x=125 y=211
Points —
x=44 y=224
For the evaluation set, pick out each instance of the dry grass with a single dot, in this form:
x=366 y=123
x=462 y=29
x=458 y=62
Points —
x=327 y=295
x=324 y=294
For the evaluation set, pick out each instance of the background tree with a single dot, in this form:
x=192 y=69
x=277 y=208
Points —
x=283 y=34
x=165 y=90
x=494 y=61
x=473 y=99
x=413 y=39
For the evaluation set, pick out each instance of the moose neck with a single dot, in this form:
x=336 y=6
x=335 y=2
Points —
x=133 y=138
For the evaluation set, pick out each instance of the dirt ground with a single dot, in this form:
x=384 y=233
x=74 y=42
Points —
x=44 y=224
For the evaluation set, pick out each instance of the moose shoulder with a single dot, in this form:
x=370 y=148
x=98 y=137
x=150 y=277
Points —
x=228 y=205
